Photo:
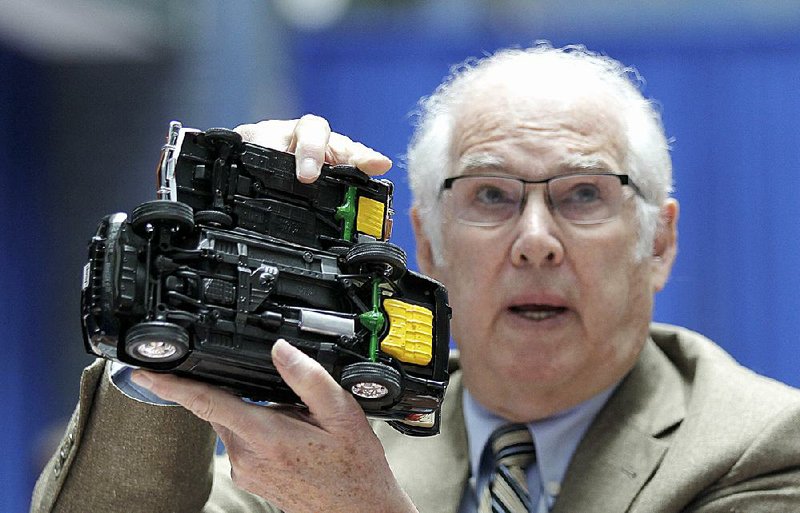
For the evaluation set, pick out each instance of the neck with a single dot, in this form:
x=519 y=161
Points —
x=530 y=404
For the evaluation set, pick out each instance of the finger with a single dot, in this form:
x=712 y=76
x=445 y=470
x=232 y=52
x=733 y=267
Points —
x=274 y=133
x=344 y=150
x=326 y=400
x=209 y=403
x=309 y=144
x=312 y=134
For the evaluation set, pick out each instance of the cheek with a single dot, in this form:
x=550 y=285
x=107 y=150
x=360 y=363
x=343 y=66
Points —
x=617 y=304
x=612 y=283
x=469 y=271
x=464 y=258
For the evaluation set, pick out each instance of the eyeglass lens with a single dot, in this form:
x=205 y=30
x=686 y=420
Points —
x=581 y=198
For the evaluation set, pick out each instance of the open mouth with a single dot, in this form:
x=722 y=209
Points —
x=537 y=312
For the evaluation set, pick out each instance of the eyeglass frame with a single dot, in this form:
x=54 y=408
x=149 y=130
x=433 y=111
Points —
x=624 y=180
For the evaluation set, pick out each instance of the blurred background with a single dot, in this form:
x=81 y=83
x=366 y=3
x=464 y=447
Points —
x=87 y=88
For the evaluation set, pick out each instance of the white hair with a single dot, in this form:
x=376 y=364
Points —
x=647 y=161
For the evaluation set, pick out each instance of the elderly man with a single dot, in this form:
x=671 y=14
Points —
x=541 y=182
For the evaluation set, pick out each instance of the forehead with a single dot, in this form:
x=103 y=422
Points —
x=545 y=130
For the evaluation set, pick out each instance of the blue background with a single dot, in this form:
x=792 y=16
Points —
x=80 y=141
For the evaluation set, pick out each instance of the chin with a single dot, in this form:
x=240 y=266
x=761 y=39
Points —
x=531 y=374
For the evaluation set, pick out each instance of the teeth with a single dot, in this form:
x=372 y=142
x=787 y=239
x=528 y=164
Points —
x=538 y=315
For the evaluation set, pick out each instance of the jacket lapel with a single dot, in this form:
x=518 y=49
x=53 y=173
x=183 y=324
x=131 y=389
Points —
x=613 y=462
x=627 y=441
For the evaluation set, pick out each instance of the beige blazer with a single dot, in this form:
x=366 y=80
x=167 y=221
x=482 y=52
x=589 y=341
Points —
x=687 y=430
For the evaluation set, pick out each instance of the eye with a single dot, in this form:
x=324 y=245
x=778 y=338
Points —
x=583 y=193
x=585 y=198
x=488 y=194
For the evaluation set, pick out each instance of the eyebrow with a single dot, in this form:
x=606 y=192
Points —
x=582 y=163
x=480 y=162
x=487 y=161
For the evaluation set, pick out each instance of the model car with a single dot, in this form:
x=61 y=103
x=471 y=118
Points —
x=233 y=184
x=203 y=281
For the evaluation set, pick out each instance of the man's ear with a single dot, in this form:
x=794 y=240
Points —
x=665 y=246
x=425 y=259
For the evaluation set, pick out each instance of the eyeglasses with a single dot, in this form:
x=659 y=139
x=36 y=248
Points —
x=490 y=200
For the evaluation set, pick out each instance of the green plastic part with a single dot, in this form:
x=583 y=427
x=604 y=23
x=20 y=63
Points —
x=347 y=213
x=373 y=320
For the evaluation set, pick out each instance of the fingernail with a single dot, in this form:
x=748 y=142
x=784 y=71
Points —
x=308 y=169
x=284 y=353
x=141 y=379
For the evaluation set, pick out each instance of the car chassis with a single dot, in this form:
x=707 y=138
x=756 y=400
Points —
x=236 y=253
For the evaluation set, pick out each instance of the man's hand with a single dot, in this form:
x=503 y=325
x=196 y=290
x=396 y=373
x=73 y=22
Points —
x=324 y=460
x=311 y=140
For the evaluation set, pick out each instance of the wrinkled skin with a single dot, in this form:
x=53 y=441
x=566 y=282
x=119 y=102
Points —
x=546 y=313
x=325 y=460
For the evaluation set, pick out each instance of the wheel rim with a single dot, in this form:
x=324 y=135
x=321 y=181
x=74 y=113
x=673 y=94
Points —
x=370 y=390
x=157 y=350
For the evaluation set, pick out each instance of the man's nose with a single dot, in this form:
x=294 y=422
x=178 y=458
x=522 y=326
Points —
x=537 y=238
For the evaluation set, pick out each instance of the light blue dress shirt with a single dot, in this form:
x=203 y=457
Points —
x=556 y=438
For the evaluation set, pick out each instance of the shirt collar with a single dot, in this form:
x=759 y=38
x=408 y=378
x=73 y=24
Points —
x=556 y=438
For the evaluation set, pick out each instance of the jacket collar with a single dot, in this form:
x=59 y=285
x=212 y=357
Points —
x=620 y=451
x=627 y=440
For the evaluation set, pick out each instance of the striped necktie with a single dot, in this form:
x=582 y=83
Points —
x=507 y=489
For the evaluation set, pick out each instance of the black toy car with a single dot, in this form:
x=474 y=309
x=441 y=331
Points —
x=228 y=183
x=237 y=253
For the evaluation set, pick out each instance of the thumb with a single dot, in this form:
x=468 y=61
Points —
x=326 y=400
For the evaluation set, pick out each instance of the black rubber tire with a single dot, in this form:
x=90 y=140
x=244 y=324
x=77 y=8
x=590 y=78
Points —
x=175 y=340
x=213 y=218
x=216 y=136
x=166 y=213
x=388 y=257
x=373 y=384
